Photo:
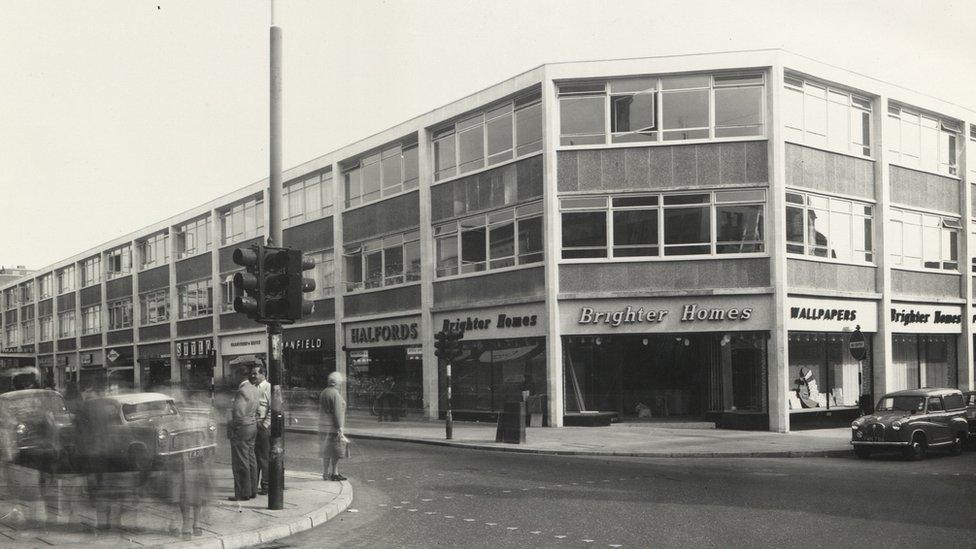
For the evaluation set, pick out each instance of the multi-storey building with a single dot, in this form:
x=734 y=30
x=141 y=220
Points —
x=686 y=236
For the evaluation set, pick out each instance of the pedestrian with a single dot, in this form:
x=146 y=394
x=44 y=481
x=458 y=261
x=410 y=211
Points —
x=332 y=418
x=262 y=443
x=243 y=432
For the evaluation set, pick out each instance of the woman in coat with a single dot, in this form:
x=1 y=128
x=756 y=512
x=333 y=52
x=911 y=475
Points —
x=332 y=417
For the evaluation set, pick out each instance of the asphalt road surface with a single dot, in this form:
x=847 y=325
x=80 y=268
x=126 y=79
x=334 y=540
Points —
x=412 y=495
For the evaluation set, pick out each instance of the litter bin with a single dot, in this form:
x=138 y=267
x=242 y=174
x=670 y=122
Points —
x=511 y=423
x=534 y=409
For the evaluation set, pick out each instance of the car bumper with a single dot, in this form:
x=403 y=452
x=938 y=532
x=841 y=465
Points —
x=178 y=453
x=873 y=443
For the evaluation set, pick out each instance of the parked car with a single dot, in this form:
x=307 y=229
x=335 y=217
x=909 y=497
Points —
x=913 y=421
x=35 y=427
x=139 y=431
x=970 y=397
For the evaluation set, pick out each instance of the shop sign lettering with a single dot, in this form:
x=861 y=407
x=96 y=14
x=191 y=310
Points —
x=194 y=348
x=813 y=313
x=502 y=321
x=689 y=313
x=390 y=332
x=906 y=317
x=303 y=344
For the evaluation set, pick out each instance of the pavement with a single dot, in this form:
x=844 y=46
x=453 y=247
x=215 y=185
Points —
x=634 y=439
x=55 y=510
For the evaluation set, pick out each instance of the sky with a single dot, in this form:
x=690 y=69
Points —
x=115 y=115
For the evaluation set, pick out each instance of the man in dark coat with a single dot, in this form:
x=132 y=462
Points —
x=243 y=432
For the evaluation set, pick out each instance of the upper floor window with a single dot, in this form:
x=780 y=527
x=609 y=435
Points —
x=495 y=240
x=66 y=324
x=46 y=325
x=924 y=241
x=153 y=307
x=828 y=227
x=243 y=221
x=822 y=116
x=91 y=319
x=386 y=173
x=27 y=332
x=27 y=292
x=386 y=261
x=669 y=108
x=917 y=140
x=118 y=262
x=10 y=338
x=503 y=132
x=971 y=154
x=323 y=274
x=659 y=225
x=9 y=298
x=91 y=271
x=66 y=279
x=120 y=314
x=44 y=286
x=196 y=298
x=308 y=198
x=193 y=237
x=153 y=251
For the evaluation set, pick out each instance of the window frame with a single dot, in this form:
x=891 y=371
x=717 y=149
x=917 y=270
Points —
x=367 y=249
x=604 y=203
x=496 y=219
x=91 y=320
x=148 y=250
x=121 y=255
x=948 y=226
x=189 y=231
x=405 y=150
x=188 y=310
x=148 y=303
x=943 y=127
x=238 y=214
x=72 y=328
x=854 y=216
x=91 y=271
x=115 y=307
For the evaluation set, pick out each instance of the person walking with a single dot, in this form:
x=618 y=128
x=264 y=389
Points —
x=243 y=432
x=262 y=443
x=332 y=418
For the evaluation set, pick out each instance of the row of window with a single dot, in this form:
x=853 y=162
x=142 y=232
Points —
x=387 y=261
x=494 y=240
x=663 y=224
x=826 y=117
x=916 y=140
x=669 y=108
x=386 y=173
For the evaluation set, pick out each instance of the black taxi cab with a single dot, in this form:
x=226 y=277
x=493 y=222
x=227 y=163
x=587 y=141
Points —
x=913 y=421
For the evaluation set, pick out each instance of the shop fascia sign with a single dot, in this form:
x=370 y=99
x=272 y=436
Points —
x=194 y=348
x=304 y=344
x=384 y=332
x=244 y=344
x=500 y=321
x=908 y=318
x=819 y=314
x=689 y=313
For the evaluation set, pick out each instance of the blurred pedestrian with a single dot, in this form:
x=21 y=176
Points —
x=332 y=418
x=243 y=432
x=262 y=443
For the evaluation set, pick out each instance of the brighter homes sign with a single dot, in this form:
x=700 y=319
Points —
x=672 y=314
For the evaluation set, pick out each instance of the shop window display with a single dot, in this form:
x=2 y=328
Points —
x=922 y=361
x=385 y=380
x=489 y=373
x=823 y=374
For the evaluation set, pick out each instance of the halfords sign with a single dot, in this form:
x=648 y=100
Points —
x=666 y=315
x=383 y=332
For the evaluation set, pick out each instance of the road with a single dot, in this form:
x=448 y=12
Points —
x=412 y=495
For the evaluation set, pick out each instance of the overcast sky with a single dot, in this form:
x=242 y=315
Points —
x=117 y=114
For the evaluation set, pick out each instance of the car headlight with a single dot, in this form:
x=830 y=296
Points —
x=896 y=425
x=162 y=434
x=21 y=429
x=212 y=427
x=855 y=425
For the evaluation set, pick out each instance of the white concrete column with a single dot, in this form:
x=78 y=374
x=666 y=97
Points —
x=778 y=358
x=881 y=345
x=552 y=231
x=339 y=272
x=136 y=315
x=428 y=270
x=174 y=305
x=964 y=377
x=216 y=238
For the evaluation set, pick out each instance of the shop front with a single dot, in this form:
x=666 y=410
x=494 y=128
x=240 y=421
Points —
x=687 y=358
x=503 y=359
x=92 y=374
x=66 y=370
x=829 y=383
x=196 y=358
x=155 y=373
x=309 y=357
x=238 y=354
x=120 y=367
x=384 y=366
x=45 y=368
x=923 y=345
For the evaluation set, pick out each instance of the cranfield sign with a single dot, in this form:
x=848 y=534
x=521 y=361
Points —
x=689 y=314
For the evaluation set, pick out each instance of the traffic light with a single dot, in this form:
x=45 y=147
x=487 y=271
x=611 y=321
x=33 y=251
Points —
x=299 y=285
x=277 y=284
x=447 y=345
x=249 y=284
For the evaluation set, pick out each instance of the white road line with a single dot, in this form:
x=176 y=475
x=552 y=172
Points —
x=560 y=537
x=430 y=512
x=404 y=502
x=587 y=541
x=398 y=507
x=614 y=545
x=512 y=527
x=536 y=532
x=389 y=478
x=469 y=520
x=370 y=480
x=382 y=505
x=506 y=491
x=412 y=510
x=353 y=510
x=426 y=499
x=491 y=524
x=448 y=516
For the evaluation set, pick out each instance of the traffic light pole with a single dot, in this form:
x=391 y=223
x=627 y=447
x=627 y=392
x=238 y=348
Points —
x=448 y=416
x=276 y=462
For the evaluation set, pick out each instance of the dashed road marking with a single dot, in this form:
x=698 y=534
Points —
x=448 y=497
x=587 y=541
x=370 y=480
x=426 y=499
x=398 y=507
x=536 y=532
x=512 y=527
x=506 y=491
x=491 y=524
x=614 y=545
x=559 y=536
x=382 y=505
x=430 y=512
x=404 y=502
x=389 y=478
x=353 y=510
x=469 y=520
x=448 y=516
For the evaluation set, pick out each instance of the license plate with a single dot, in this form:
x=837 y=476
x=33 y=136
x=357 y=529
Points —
x=196 y=453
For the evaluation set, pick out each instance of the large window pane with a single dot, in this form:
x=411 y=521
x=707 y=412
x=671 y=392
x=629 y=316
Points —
x=528 y=129
x=530 y=240
x=354 y=187
x=686 y=231
x=794 y=230
x=840 y=235
x=444 y=159
x=391 y=169
x=738 y=106
x=685 y=109
x=371 y=181
x=584 y=230
x=473 y=249
x=499 y=132
x=393 y=258
x=447 y=259
x=632 y=113
x=410 y=169
x=740 y=228
x=374 y=269
x=635 y=233
x=501 y=245
x=582 y=116
x=411 y=260
x=471 y=149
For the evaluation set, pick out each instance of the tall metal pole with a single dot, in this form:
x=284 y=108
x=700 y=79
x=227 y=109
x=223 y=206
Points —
x=276 y=464
x=448 y=415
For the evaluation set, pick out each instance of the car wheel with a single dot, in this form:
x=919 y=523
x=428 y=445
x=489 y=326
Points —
x=139 y=459
x=916 y=450
x=957 y=444
x=862 y=452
